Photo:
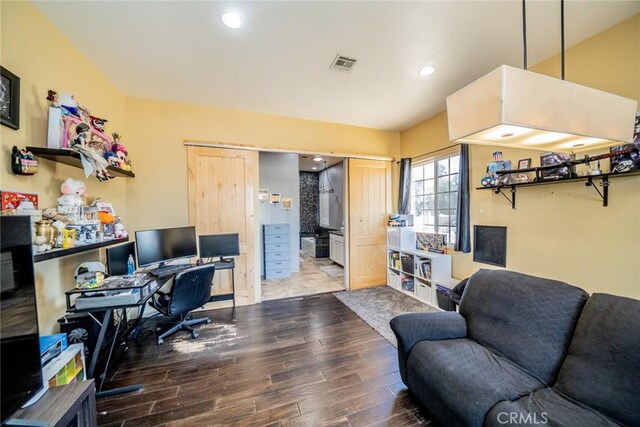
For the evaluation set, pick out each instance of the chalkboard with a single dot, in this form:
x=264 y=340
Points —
x=490 y=245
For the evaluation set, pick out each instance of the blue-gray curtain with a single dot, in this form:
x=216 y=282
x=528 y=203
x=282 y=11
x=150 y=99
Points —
x=404 y=195
x=463 y=220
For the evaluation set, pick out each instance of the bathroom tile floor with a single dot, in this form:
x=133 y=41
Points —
x=310 y=280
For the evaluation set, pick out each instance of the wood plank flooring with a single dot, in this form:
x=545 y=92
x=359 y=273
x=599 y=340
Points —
x=300 y=362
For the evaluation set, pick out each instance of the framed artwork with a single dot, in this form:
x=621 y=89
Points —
x=275 y=198
x=263 y=194
x=9 y=99
x=287 y=203
x=631 y=160
x=524 y=163
x=548 y=159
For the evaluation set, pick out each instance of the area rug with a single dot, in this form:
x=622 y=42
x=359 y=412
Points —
x=333 y=270
x=377 y=306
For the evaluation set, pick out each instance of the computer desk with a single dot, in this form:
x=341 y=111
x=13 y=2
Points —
x=228 y=264
x=150 y=285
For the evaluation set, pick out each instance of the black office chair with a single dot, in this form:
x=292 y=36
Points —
x=191 y=289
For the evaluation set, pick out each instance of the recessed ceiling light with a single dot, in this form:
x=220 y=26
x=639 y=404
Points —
x=426 y=71
x=317 y=159
x=314 y=168
x=231 y=20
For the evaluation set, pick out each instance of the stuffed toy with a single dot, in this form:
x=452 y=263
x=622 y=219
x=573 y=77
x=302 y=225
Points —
x=40 y=244
x=53 y=215
x=72 y=192
x=119 y=231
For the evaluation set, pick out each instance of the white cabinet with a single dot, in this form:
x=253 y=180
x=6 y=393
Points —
x=414 y=272
x=336 y=248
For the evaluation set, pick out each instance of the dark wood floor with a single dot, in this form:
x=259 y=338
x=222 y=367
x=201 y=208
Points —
x=308 y=361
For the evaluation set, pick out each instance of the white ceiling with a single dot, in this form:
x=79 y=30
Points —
x=307 y=164
x=278 y=61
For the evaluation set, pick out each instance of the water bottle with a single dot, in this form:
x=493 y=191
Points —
x=131 y=266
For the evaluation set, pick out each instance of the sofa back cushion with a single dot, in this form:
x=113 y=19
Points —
x=526 y=319
x=602 y=367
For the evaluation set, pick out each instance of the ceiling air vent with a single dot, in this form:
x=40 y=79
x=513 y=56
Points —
x=343 y=63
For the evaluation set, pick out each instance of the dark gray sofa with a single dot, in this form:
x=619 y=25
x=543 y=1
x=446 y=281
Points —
x=513 y=355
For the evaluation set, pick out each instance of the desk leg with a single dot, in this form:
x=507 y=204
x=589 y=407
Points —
x=96 y=351
x=233 y=290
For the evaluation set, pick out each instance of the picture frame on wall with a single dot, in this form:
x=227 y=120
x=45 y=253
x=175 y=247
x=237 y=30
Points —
x=9 y=99
x=524 y=163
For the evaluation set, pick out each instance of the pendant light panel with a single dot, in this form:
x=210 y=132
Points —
x=516 y=108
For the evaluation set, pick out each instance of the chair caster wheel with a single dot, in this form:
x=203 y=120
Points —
x=208 y=321
x=194 y=335
x=160 y=341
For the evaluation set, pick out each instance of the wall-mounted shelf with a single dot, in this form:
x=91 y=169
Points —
x=589 y=181
x=58 y=253
x=72 y=158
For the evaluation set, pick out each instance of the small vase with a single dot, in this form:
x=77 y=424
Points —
x=46 y=230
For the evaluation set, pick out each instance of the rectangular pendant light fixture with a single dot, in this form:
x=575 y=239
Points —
x=516 y=108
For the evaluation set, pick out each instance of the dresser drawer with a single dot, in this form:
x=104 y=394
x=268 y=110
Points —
x=277 y=256
x=276 y=238
x=277 y=274
x=283 y=264
x=276 y=247
x=276 y=229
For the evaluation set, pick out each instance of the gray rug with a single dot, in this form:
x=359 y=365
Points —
x=377 y=306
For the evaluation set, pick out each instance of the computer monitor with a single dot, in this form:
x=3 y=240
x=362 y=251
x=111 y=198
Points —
x=219 y=245
x=160 y=246
x=118 y=257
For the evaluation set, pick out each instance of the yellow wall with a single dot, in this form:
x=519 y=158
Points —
x=562 y=231
x=157 y=131
x=36 y=51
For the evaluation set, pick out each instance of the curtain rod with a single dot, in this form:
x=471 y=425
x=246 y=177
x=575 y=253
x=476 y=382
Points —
x=432 y=152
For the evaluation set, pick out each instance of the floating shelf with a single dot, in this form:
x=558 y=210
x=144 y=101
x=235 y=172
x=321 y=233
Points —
x=588 y=180
x=58 y=253
x=72 y=158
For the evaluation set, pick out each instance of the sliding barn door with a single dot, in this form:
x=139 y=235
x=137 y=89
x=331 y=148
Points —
x=222 y=191
x=369 y=207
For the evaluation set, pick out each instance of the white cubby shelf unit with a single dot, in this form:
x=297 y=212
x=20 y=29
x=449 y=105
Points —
x=414 y=272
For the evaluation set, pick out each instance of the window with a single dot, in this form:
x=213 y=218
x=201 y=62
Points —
x=434 y=195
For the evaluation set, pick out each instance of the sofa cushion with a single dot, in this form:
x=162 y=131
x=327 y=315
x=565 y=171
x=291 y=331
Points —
x=459 y=381
x=526 y=319
x=546 y=407
x=602 y=368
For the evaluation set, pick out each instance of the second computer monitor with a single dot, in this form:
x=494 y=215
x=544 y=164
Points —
x=118 y=257
x=219 y=245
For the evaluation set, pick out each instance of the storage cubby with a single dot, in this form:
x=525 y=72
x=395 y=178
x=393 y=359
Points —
x=414 y=272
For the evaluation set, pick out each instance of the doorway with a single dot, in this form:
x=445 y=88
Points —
x=225 y=196
x=302 y=204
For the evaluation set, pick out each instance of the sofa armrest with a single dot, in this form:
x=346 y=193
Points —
x=412 y=328
x=415 y=327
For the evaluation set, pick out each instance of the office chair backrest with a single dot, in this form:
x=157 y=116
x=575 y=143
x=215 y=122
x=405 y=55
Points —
x=191 y=289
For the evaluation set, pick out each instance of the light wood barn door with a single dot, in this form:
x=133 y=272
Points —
x=222 y=191
x=369 y=207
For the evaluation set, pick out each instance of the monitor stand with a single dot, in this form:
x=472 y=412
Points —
x=226 y=260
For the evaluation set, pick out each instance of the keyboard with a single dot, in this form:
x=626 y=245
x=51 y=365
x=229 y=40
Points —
x=168 y=270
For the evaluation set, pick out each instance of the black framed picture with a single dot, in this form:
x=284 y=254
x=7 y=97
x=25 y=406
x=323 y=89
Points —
x=490 y=245
x=9 y=99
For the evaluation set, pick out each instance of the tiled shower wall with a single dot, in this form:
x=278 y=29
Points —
x=309 y=202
